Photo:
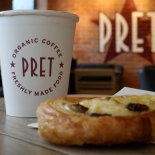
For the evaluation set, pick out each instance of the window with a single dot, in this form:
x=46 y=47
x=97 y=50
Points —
x=23 y=4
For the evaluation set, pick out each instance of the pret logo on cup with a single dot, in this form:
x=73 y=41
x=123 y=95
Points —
x=36 y=59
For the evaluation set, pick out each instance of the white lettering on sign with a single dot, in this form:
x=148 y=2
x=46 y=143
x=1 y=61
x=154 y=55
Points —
x=152 y=15
x=135 y=40
x=122 y=31
x=105 y=30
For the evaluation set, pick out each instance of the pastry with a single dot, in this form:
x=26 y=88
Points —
x=98 y=120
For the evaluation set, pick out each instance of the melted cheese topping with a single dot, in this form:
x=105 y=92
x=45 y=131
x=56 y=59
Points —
x=116 y=106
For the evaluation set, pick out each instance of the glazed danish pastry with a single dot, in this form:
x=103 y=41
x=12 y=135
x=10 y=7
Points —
x=98 y=120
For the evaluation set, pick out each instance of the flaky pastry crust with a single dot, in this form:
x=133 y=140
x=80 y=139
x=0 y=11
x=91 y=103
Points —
x=61 y=127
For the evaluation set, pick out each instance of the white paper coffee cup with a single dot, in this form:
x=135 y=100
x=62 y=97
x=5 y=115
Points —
x=35 y=54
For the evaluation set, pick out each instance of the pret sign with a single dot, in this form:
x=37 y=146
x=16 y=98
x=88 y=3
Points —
x=128 y=30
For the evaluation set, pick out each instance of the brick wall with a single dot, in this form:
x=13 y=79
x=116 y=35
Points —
x=86 y=48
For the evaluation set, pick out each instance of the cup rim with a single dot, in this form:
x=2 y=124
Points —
x=39 y=13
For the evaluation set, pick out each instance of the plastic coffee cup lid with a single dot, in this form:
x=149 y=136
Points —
x=40 y=13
